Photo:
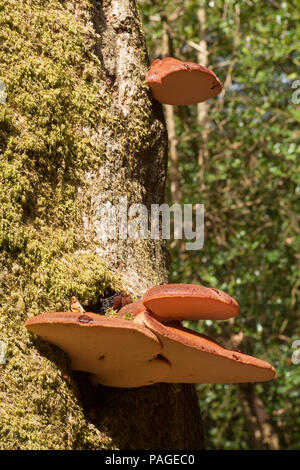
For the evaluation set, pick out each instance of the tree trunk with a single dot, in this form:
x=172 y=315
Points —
x=78 y=129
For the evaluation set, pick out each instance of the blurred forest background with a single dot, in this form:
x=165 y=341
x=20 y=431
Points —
x=239 y=155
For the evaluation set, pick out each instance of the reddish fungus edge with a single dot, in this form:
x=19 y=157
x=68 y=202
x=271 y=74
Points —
x=159 y=69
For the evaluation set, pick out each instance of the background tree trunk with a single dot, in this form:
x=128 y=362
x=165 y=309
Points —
x=78 y=129
x=202 y=108
x=175 y=180
x=261 y=431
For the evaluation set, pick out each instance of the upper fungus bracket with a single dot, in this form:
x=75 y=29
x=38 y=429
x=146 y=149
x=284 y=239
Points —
x=181 y=83
x=177 y=302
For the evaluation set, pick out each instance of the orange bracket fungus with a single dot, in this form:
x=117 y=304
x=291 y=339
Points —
x=116 y=352
x=189 y=302
x=181 y=83
x=154 y=347
x=196 y=358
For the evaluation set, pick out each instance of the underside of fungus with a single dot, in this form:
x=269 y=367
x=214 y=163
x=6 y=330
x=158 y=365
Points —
x=152 y=346
x=181 y=83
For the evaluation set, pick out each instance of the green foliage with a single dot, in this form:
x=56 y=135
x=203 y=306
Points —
x=222 y=416
x=251 y=193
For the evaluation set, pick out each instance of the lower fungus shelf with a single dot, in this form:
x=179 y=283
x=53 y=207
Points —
x=122 y=353
x=196 y=358
x=116 y=352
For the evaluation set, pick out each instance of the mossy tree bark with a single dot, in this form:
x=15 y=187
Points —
x=78 y=129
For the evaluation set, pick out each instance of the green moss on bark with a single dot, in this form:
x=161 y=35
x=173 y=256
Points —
x=54 y=105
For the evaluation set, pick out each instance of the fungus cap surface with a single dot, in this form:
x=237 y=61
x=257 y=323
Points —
x=181 y=83
x=132 y=309
x=117 y=352
x=170 y=302
x=197 y=358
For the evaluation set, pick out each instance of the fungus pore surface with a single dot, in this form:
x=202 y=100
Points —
x=116 y=352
